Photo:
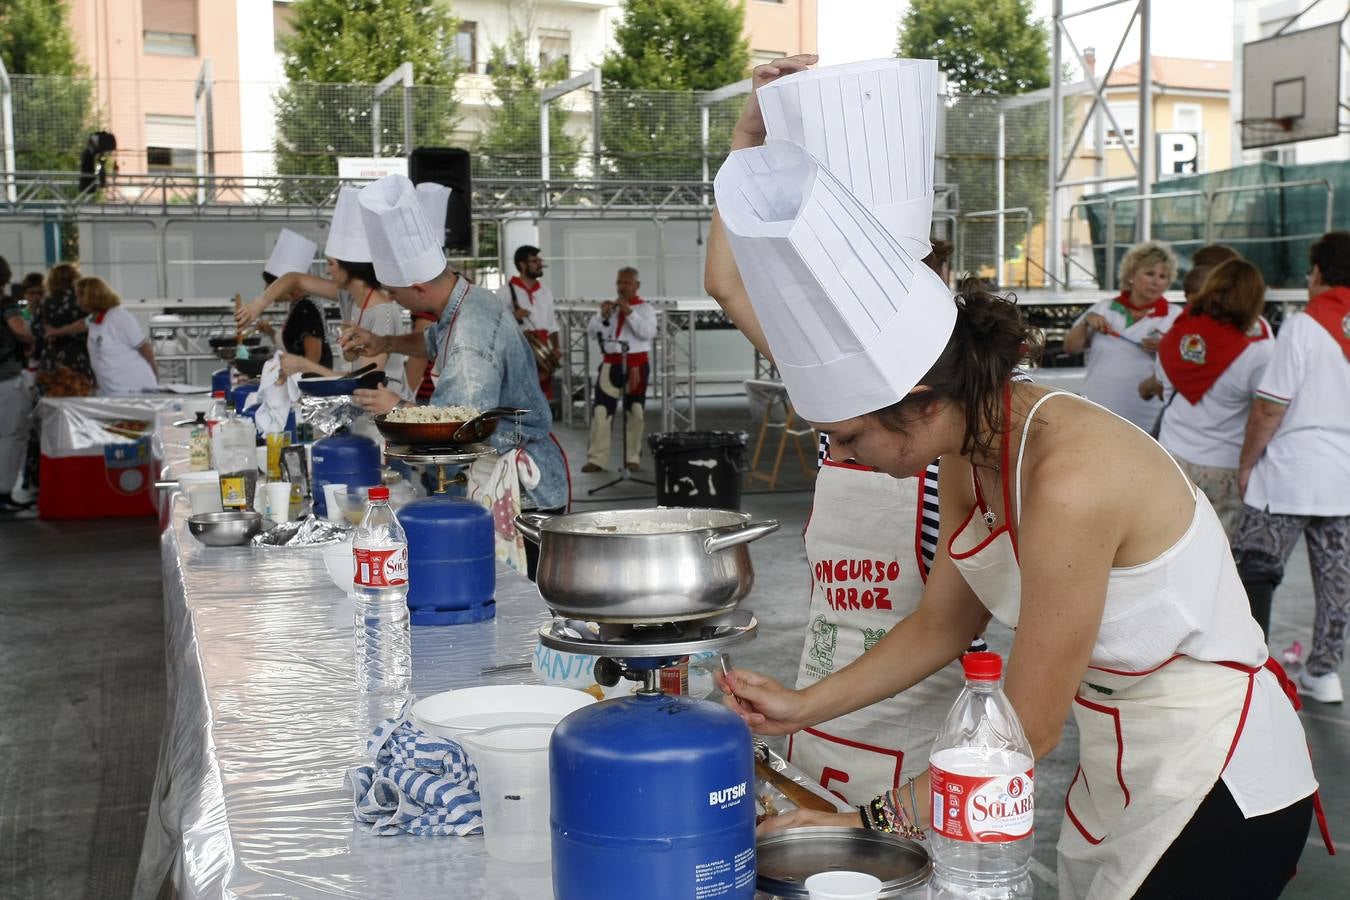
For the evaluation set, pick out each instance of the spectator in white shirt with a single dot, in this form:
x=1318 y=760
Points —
x=123 y=360
x=1210 y=363
x=1294 y=470
x=1121 y=334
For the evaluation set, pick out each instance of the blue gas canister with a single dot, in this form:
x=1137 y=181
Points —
x=240 y=394
x=452 y=561
x=343 y=459
x=220 y=380
x=653 y=797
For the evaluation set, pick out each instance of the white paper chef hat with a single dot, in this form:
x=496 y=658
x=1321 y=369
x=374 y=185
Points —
x=873 y=124
x=854 y=319
x=403 y=247
x=434 y=199
x=291 y=253
x=346 y=232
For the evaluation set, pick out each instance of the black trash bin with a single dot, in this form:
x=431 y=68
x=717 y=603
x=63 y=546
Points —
x=699 y=468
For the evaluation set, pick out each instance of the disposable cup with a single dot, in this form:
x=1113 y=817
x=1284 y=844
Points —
x=330 y=492
x=843 y=885
x=260 y=457
x=279 y=501
x=202 y=490
x=512 y=763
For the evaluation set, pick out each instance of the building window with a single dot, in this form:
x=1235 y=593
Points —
x=465 y=47
x=1188 y=117
x=170 y=27
x=760 y=57
x=1127 y=114
x=555 y=44
x=171 y=144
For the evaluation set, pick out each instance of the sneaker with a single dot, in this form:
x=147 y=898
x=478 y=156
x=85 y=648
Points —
x=1322 y=688
x=592 y=467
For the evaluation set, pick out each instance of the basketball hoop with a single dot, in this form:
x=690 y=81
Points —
x=1291 y=87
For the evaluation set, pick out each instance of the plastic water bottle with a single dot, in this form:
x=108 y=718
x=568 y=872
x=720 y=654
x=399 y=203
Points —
x=380 y=592
x=983 y=798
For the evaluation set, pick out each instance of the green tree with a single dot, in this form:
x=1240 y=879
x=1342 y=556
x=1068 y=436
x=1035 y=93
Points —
x=983 y=46
x=53 y=97
x=338 y=50
x=508 y=145
x=988 y=49
x=666 y=51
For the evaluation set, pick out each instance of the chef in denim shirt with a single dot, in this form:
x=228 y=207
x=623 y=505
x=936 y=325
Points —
x=475 y=348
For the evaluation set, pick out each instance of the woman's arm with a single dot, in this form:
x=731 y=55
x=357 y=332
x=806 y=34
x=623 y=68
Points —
x=313 y=348
x=280 y=290
x=79 y=326
x=147 y=353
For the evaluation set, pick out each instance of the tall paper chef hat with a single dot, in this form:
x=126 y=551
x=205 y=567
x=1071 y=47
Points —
x=346 y=232
x=434 y=199
x=291 y=253
x=874 y=126
x=854 y=319
x=403 y=247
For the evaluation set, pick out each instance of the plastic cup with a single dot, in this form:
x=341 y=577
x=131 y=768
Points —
x=330 y=492
x=512 y=762
x=202 y=490
x=278 y=500
x=843 y=885
x=260 y=457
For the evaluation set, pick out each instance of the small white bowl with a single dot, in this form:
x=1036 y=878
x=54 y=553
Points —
x=341 y=565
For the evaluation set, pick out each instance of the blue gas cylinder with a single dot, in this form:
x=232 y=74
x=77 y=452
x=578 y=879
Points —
x=653 y=796
x=220 y=381
x=241 y=394
x=452 y=561
x=343 y=459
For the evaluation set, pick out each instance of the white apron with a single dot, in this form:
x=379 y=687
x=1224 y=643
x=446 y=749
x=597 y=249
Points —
x=862 y=543
x=1152 y=744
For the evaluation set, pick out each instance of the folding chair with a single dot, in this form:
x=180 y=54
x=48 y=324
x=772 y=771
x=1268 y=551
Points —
x=780 y=416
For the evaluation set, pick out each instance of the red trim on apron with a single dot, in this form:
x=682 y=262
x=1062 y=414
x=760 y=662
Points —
x=1120 y=742
x=918 y=528
x=1129 y=674
x=1068 y=810
x=567 y=507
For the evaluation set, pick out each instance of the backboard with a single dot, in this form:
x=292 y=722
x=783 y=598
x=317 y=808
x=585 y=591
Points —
x=1291 y=87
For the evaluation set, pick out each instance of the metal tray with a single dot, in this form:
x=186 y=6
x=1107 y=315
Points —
x=787 y=858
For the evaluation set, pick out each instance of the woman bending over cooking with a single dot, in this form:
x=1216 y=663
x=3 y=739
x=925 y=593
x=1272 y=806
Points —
x=1062 y=520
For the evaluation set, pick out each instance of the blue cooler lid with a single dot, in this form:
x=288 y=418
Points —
x=448 y=528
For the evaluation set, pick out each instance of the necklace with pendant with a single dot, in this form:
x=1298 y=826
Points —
x=989 y=519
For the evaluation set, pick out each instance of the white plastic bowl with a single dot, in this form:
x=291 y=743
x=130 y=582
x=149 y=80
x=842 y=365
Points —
x=340 y=563
x=455 y=713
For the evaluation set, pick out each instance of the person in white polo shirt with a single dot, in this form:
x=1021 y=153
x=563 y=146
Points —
x=1295 y=465
x=1121 y=334
x=123 y=360
x=1209 y=364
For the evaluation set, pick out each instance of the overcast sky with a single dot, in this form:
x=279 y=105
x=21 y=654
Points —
x=1199 y=29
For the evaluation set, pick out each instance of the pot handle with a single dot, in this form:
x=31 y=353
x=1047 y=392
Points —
x=742 y=534
x=529 y=524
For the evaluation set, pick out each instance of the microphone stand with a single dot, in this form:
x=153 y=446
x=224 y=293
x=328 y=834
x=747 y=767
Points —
x=622 y=419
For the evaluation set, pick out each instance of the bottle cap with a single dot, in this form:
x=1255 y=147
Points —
x=218 y=395
x=201 y=418
x=379 y=493
x=982 y=666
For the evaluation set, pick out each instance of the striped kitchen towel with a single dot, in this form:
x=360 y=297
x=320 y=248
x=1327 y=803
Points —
x=418 y=783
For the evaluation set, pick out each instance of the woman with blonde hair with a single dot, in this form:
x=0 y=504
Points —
x=1121 y=334
x=123 y=360
x=64 y=369
x=1213 y=358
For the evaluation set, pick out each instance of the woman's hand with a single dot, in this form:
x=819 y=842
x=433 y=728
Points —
x=750 y=130
x=764 y=704
x=250 y=312
x=361 y=341
x=1149 y=388
x=798 y=818
x=1150 y=345
x=1097 y=322
x=292 y=363
x=376 y=401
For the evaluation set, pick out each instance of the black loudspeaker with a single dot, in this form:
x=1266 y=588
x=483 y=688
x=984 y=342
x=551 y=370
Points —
x=448 y=166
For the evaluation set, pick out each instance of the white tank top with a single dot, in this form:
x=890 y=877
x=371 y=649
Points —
x=1186 y=601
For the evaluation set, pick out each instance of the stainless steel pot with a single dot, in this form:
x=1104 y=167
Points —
x=644 y=565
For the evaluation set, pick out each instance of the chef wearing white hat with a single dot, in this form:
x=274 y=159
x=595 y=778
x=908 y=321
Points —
x=1122 y=592
x=351 y=282
x=435 y=200
x=304 y=335
x=481 y=359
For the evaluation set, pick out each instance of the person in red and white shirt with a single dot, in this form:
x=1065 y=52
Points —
x=1121 y=334
x=1294 y=470
x=1209 y=364
x=625 y=328
x=531 y=302
x=123 y=360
